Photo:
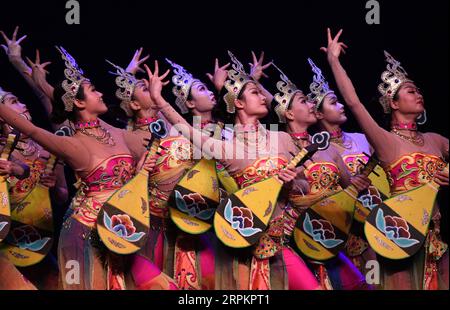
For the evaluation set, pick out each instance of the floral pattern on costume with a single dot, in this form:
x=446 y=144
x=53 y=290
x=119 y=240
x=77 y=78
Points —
x=355 y=162
x=19 y=189
x=109 y=176
x=413 y=170
x=323 y=178
x=260 y=170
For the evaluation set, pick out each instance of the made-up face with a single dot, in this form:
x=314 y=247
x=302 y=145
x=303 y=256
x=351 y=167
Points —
x=408 y=100
x=14 y=103
x=141 y=96
x=331 y=111
x=301 y=110
x=93 y=100
x=252 y=101
x=201 y=98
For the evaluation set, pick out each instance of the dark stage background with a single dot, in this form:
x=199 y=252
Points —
x=193 y=33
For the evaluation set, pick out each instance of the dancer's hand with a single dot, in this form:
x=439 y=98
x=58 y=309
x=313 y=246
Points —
x=220 y=75
x=7 y=167
x=155 y=85
x=12 y=47
x=148 y=165
x=334 y=48
x=442 y=178
x=360 y=182
x=39 y=74
x=287 y=175
x=48 y=180
x=135 y=63
x=257 y=68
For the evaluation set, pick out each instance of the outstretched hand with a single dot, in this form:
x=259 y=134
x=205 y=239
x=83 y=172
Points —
x=12 y=47
x=220 y=75
x=39 y=74
x=155 y=85
x=257 y=68
x=334 y=47
x=135 y=63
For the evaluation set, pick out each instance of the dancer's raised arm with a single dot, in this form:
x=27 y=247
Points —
x=13 y=50
x=155 y=86
x=377 y=136
x=67 y=148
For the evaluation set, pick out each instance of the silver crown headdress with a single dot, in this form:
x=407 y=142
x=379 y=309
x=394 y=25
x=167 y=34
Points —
x=74 y=79
x=3 y=94
x=237 y=79
x=183 y=81
x=319 y=87
x=392 y=78
x=127 y=84
x=284 y=98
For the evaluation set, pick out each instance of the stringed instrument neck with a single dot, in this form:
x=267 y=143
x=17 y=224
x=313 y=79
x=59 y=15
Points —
x=51 y=164
x=297 y=160
x=153 y=150
x=8 y=149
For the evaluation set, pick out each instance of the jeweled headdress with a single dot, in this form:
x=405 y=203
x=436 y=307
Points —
x=319 y=87
x=183 y=81
x=126 y=83
x=3 y=94
x=392 y=78
x=74 y=79
x=237 y=79
x=284 y=97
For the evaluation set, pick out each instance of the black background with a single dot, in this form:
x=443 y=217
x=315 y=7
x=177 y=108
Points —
x=193 y=33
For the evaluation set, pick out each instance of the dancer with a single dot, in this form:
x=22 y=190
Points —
x=266 y=154
x=354 y=150
x=103 y=157
x=326 y=175
x=32 y=155
x=403 y=149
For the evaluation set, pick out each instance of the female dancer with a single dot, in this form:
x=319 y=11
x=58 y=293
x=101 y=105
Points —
x=353 y=148
x=403 y=149
x=13 y=50
x=12 y=279
x=265 y=154
x=189 y=259
x=103 y=157
x=326 y=175
x=31 y=154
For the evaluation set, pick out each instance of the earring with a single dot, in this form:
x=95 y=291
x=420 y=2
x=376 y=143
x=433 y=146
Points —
x=422 y=119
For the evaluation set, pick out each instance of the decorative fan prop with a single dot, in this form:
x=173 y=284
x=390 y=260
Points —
x=242 y=218
x=124 y=220
x=397 y=228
